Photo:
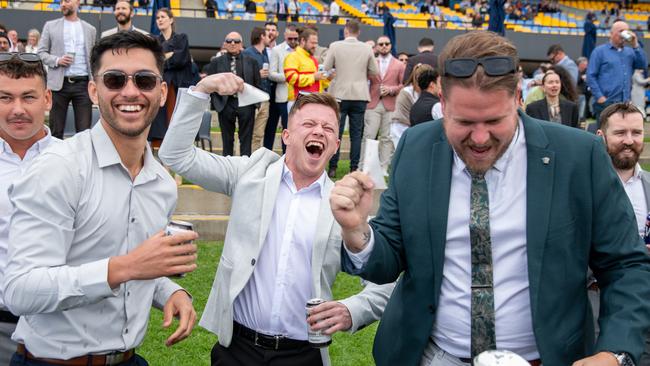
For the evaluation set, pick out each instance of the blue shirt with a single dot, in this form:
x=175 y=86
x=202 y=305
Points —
x=261 y=58
x=610 y=71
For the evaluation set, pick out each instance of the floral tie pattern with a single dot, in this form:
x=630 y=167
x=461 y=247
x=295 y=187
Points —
x=483 y=334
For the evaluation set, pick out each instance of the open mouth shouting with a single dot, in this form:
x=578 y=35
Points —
x=315 y=149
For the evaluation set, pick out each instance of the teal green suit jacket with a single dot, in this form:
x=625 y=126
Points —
x=578 y=215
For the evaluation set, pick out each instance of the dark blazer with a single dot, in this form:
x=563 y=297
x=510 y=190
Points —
x=425 y=57
x=568 y=111
x=421 y=109
x=578 y=215
x=282 y=16
x=247 y=69
x=178 y=68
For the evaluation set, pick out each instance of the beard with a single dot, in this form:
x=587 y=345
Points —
x=67 y=12
x=129 y=130
x=624 y=162
x=122 y=19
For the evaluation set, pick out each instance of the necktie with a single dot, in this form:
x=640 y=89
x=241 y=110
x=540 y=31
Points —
x=483 y=334
x=233 y=65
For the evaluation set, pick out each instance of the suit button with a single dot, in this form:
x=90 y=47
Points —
x=253 y=262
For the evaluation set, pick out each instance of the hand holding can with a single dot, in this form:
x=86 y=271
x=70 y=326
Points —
x=175 y=227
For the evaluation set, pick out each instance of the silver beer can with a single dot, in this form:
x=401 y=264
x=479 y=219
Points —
x=176 y=227
x=317 y=339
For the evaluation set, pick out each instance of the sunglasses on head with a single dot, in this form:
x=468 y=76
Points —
x=25 y=57
x=492 y=66
x=235 y=41
x=383 y=44
x=143 y=80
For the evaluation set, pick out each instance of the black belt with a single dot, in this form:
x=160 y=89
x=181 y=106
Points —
x=264 y=341
x=76 y=79
x=7 y=317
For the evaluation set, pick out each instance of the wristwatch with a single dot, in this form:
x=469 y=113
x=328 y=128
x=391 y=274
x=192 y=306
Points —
x=623 y=359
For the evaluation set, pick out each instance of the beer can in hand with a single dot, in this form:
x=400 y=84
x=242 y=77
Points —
x=176 y=227
x=317 y=339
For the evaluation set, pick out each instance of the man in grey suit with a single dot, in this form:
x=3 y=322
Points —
x=123 y=11
x=282 y=246
x=65 y=48
x=621 y=126
x=354 y=62
x=276 y=69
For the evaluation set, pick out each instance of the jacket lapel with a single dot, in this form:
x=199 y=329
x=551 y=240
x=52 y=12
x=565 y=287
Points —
x=323 y=229
x=539 y=195
x=645 y=181
x=271 y=187
x=545 y=115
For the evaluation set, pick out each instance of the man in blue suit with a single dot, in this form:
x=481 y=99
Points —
x=492 y=218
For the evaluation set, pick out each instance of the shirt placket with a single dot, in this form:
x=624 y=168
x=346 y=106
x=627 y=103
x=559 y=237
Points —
x=283 y=277
x=131 y=242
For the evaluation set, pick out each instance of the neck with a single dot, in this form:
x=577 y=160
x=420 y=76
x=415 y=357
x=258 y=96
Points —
x=72 y=17
x=123 y=27
x=553 y=100
x=130 y=149
x=167 y=33
x=271 y=44
x=260 y=47
x=20 y=147
x=625 y=175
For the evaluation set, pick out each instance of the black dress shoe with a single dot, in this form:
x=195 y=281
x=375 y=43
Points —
x=331 y=173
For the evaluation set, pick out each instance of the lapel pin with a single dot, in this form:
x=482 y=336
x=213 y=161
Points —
x=546 y=160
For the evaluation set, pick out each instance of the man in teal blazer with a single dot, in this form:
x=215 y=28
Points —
x=556 y=206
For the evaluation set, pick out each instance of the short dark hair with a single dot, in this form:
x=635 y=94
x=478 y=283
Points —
x=19 y=69
x=325 y=99
x=426 y=42
x=290 y=26
x=3 y=28
x=426 y=77
x=169 y=13
x=553 y=49
x=126 y=40
x=271 y=23
x=403 y=53
x=256 y=35
x=622 y=108
x=123 y=1
x=4 y=35
x=353 y=27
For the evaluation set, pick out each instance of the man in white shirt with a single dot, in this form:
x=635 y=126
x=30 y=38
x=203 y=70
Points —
x=334 y=12
x=24 y=99
x=123 y=12
x=282 y=246
x=87 y=252
x=621 y=126
x=492 y=218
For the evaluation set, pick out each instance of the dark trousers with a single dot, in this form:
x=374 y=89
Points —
x=242 y=352
x=355 y=109
x=246 y=118
x=77 y=93
x=598 y=109
x=19 y=360
x=277 y=111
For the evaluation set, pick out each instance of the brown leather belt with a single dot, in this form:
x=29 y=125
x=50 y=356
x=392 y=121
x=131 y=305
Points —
x=110 y=359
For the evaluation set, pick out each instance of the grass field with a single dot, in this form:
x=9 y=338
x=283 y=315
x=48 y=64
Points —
x=346 y=349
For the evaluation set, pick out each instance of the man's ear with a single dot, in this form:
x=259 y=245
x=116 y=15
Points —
x=92 y=92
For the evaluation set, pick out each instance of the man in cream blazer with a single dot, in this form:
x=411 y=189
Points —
x=282 y=246
x=354 y=62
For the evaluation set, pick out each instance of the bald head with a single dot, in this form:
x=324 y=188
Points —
x=233 y=43
x=615 y=33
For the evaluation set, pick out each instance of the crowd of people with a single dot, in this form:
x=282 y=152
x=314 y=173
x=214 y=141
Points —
x=463 y=256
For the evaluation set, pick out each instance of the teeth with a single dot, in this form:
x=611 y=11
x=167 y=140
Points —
x=316 y=143
x=130 y=108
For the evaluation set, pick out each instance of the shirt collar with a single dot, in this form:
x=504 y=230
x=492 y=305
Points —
x=287 y=177
x=636 y=175
x=39 y=145
x=502 y=163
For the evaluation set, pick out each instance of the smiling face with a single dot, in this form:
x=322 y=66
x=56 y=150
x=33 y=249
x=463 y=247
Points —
x=128 y=111
x=69 y=7
x=291 y=37
x=123 y=12
x=624 y=139
x=310 y=44
x=479 y=124
x=311 y=139
x=23 y=103
x=552 y=85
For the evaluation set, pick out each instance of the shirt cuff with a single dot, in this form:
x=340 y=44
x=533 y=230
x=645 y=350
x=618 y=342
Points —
x=361 y=258
x=93 y=280
x=198 y=94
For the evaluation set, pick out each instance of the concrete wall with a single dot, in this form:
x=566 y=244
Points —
x=208 y=34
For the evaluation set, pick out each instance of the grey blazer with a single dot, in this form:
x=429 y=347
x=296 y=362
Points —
x=51 y=47
x=645 y=179
x=276 y=71
x=252 y=183
x=354 y=61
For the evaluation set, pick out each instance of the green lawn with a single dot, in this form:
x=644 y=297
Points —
x=346 y=349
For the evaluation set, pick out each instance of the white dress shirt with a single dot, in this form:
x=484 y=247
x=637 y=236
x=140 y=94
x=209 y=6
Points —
x=76 y=207
x=634 y=189
x=73 y=38
x=384 y=61
x=273 y=301
x=11 y=168
x=507 y=197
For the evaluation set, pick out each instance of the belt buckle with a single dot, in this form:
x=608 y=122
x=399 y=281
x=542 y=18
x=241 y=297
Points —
x=277 y=341
x=114 y=359
x=69 y=78
x=255 y=341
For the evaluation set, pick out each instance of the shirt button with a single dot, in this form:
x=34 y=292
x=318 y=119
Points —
x=128 y=293
x=133 y=219
x=126 y=331
x=253 y=262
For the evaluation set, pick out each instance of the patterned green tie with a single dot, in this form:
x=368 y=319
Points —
x=483 y=333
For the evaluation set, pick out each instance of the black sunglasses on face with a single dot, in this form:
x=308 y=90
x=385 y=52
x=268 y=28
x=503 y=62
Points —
x=235 y=41
x=292 y=38
x=143 y=80
x=383 y=44
x=25 y=57
x=492 y=65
